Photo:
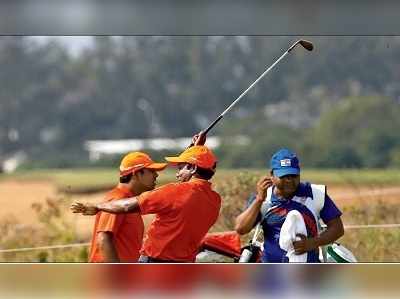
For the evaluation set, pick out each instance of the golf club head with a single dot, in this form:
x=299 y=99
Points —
x=306 y=44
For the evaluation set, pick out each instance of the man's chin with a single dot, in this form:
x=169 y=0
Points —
x=290 y=191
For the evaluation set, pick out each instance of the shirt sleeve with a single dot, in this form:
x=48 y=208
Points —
x=329 y=210
x=109 y=222
x=159 y=200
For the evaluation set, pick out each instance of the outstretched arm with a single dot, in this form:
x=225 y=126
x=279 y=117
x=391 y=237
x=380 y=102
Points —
x=126 y=205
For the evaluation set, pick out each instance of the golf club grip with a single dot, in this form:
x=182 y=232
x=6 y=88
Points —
x=213 y=124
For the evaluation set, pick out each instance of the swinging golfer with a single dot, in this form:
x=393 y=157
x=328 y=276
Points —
x=185 y=211
x=282 y=192
x=118 y=238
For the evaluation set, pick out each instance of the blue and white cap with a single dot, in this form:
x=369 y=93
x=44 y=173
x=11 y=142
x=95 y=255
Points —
x=285 y=162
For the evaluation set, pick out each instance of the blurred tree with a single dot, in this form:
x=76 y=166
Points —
x=160 y=86
x=359 y=131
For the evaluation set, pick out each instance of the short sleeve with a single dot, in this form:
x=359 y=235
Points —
x=329 y=211
x=250 y=200
x=109 y=222
x=159 y=200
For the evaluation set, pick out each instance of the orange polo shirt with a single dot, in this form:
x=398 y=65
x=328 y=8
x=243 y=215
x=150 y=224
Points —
x=127 y=230
x=184 y=214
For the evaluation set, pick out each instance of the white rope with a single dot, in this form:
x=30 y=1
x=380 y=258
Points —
x=361 y=226
x=372 y=226
x=45 y=247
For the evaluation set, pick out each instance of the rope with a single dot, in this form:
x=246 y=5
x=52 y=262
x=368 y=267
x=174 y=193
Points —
x=45 y=247
x=372 y=226
x=361 y=226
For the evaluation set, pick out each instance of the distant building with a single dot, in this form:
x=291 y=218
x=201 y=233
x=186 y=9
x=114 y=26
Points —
x=11 y=163
x=100 y=148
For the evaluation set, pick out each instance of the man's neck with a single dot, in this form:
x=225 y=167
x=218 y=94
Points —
x=131 y=187
x=278 y=193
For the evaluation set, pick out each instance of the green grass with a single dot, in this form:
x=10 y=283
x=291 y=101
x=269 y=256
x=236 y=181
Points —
x=76 y=180
x=375 y=245
x=357 y=177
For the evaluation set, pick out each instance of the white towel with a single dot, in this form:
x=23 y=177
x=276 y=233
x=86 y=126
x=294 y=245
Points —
x=294 y=224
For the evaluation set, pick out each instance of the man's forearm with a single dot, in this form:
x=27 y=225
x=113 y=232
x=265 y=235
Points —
x=246 y=220
x=333 y=232
x=119 y=206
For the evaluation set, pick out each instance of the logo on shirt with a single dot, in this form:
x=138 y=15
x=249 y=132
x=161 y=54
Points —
x=285 y=162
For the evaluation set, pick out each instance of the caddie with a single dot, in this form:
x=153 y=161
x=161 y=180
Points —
x=185 y=211
x=282 y=192
x=118 y=238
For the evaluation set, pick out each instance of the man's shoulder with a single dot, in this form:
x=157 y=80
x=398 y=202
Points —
x=304 y=190
x=114 y=194
x=169 y=187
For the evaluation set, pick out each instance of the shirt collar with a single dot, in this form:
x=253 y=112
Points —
x=199 y=181
x=301 y=192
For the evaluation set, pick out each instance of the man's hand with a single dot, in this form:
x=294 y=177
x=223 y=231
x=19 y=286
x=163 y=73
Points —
x=262 y=185
x=85 y=209
x=304 y=245
x=198 y=139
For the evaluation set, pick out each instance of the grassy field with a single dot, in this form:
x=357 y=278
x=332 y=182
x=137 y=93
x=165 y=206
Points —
x=94 y=179
x=360 y=194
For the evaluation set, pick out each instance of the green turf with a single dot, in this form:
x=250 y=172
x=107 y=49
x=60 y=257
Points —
x=333 y=176
x=75 y=179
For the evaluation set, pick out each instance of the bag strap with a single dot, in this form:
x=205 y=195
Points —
x=264 y=210
x=265 y=205
x=319 y=193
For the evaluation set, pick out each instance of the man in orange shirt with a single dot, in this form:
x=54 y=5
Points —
x=185 y=211
x=118 y=238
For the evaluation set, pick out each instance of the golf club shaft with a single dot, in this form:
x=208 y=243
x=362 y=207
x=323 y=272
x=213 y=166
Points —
x=255 y=82
x=244 y=93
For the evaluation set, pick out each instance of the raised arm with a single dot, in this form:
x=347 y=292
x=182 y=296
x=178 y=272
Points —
x=246 y=220
x=125 y=205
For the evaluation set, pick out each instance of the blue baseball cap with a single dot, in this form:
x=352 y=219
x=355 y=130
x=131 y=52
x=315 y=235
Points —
x=285 y=162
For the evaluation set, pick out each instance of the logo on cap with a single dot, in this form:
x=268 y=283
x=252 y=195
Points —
x=286 y=163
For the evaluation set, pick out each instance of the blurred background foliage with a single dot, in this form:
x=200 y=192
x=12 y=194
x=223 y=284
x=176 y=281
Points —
x=337 y=107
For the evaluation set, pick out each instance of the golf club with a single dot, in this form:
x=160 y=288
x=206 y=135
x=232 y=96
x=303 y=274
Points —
x=304 y=43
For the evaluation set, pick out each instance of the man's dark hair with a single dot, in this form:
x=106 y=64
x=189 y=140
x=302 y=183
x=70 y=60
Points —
x=127 y=178
x=205 y=173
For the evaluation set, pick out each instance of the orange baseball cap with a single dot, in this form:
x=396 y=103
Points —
x=199 y=155
x=135 y=161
